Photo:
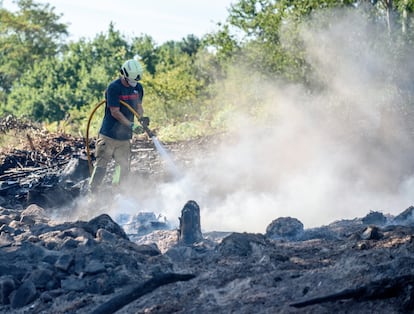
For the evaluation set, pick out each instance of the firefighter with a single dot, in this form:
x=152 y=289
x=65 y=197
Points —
x=115 y=134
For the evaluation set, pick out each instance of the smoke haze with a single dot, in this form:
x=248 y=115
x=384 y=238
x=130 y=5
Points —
x=336 y=154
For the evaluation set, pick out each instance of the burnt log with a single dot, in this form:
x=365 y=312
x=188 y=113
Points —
x=190 y=226
x=375 y=290
x=132 y=294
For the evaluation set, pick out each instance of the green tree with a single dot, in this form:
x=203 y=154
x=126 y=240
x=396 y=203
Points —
x=27 y=36
x=175 y=86
x=42 y=96
x=68 y=82
x=190 y=45
x=146 y=49
x=223 y=43
x=262 y=23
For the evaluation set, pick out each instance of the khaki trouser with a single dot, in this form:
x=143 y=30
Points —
x=107 y=149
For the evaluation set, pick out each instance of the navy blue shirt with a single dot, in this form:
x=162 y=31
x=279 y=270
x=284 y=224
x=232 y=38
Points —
x=115 y=92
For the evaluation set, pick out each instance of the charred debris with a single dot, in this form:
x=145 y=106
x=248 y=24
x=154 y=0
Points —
x=363 y=265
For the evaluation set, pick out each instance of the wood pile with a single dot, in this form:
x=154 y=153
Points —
x=36 y=148
x=32 y=159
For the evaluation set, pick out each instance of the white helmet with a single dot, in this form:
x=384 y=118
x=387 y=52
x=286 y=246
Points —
x=132 y=71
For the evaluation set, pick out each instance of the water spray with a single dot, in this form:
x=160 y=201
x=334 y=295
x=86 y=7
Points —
x=159 y=147
x=164 y=154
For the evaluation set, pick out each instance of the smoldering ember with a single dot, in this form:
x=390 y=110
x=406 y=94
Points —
x=105 y=264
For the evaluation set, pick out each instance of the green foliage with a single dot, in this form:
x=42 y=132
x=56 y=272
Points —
x=185 y=131
x=76 y=78
x=173 y=94
x=192 y=86
x=224 y=44
x=28 y=36
x=145 y=47
x=262 y=23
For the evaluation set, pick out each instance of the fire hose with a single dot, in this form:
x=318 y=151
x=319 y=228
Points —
x=88 y=152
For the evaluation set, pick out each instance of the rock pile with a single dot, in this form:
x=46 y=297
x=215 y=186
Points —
x=93 y=267
x=363 y=265
x=41 y=260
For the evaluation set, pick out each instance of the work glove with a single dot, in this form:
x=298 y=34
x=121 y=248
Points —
x=145 y=121
x=136 y=128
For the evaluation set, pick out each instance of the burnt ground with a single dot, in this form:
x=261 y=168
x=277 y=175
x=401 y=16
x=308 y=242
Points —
x=363 y=265
x=50 y=169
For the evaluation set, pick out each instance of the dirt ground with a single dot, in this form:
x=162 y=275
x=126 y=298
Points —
x=362 y=265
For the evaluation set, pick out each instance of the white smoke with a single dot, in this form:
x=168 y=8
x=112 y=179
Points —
x=336 y=154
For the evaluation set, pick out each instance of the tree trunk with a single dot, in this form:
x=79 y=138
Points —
x=190 y=227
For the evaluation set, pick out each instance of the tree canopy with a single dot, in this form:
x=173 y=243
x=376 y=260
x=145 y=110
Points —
x=46 y=78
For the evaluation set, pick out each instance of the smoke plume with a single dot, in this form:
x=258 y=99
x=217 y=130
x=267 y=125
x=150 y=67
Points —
x=338 y=153
x=335 y=154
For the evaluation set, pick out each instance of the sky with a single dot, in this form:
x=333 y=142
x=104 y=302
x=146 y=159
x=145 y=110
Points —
x=163 y=20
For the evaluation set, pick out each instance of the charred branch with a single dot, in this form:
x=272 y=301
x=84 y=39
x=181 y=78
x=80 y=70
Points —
x=137 y=291
x=380 y=289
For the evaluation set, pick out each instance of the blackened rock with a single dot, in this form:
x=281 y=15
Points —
x=45 y=197
x=5 y=239
x=105 y=222
x=284 y=227
x=100 y=285
x=77 y=169
x=33 y=214
x=24 y=295
x=374 y=218
x=103 y=235
x=49 y=296
x=50 y=257
x=7 y=285
x=7 y=268
x=64 y=262
x=406 y=217
x=147 y=249
x=68 y=244
x=5 y=219
x=180 y=254
x=43 y=279
x=240 y=244
x=73 y=284
x=27 y=251
x=371 y=233
x=408 y=300
x=94 y=267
